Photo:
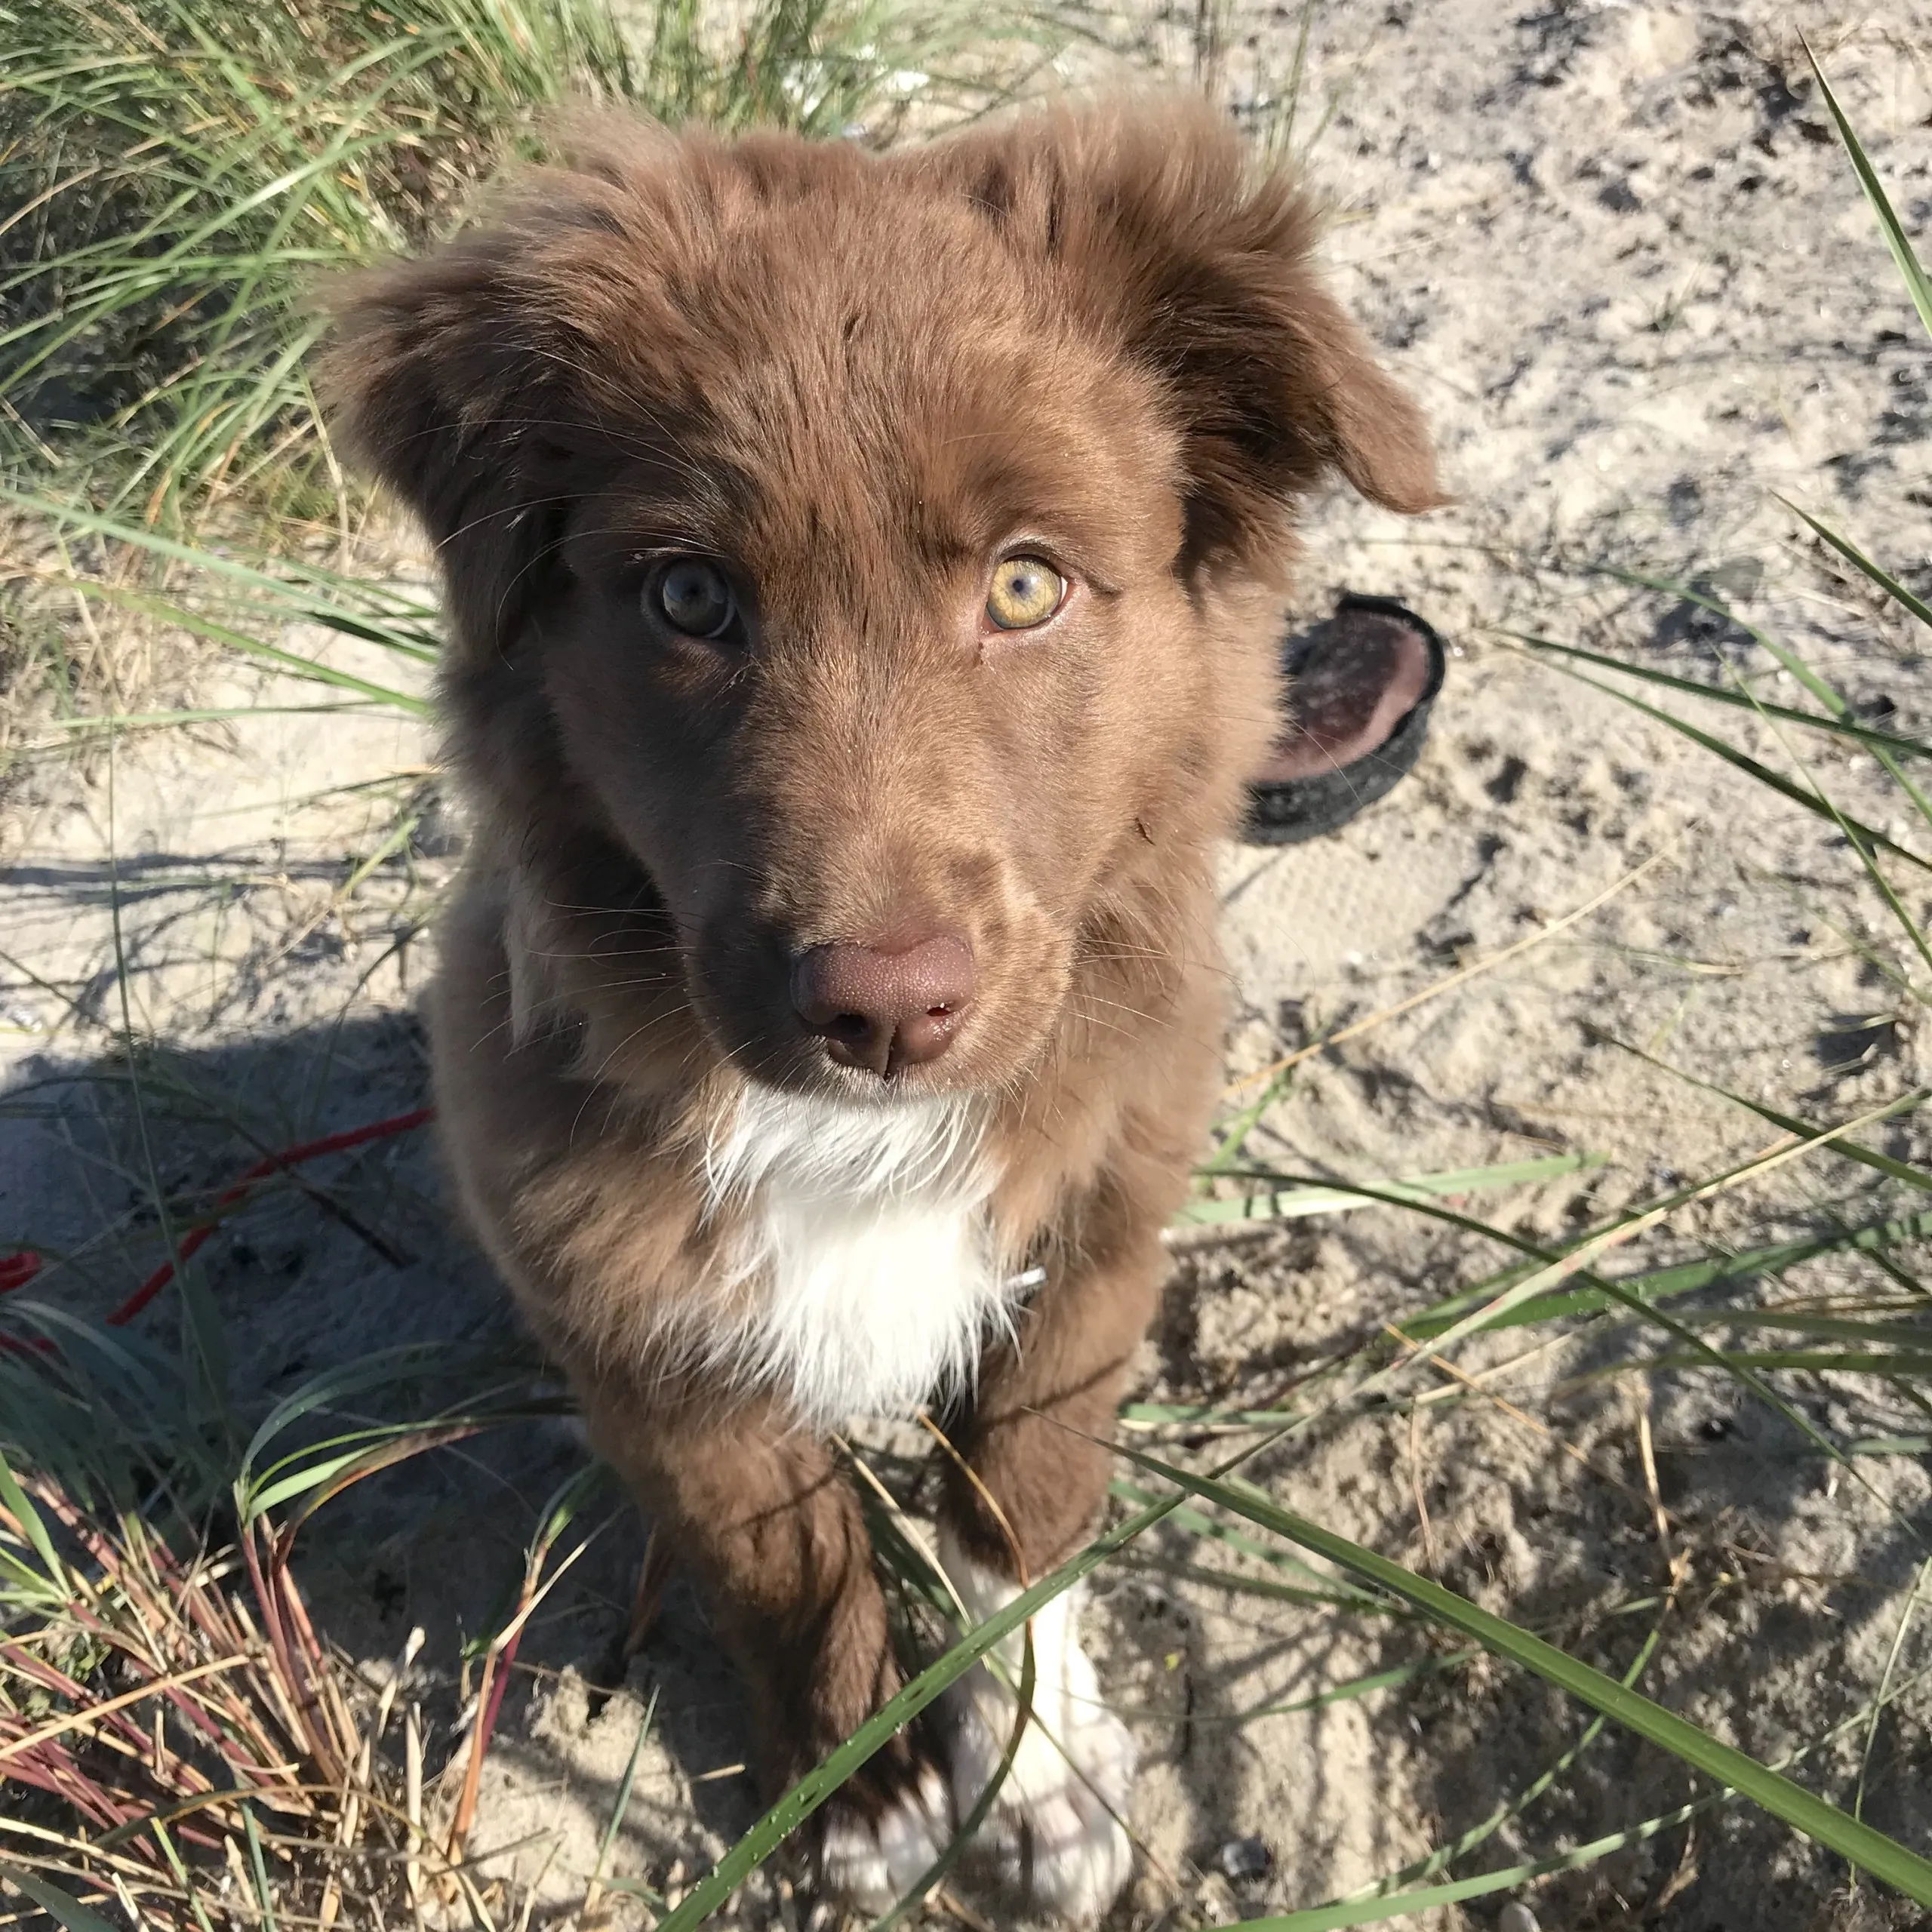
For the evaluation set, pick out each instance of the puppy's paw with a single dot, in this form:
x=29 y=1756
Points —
x=871 y=1855
x=1052 y=1838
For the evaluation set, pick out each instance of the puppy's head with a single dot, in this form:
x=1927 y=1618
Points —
x=882 y=554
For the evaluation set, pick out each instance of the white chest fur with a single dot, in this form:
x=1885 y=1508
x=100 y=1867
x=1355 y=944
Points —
x=864 y=1240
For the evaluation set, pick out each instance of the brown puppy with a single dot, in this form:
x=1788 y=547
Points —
x=865 y=574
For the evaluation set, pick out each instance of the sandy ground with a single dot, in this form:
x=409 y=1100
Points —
x=1618 y=254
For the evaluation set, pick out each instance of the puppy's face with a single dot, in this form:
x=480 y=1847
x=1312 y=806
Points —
x=876 y=663
x=878 y=550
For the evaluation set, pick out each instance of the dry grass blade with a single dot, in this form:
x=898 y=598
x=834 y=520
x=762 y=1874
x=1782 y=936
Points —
x=149 y=1709
x=1460 y=977
x=564 y=1506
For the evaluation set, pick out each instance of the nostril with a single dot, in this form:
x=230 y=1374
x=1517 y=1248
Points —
x=881 y=1008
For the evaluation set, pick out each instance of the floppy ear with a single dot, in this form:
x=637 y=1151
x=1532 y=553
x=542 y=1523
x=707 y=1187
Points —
x=440 y=377
x=1199 y=267
x=473 y=381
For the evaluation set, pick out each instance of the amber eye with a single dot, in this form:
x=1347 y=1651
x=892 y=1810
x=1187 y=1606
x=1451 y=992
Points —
x=1026 y=591
x=695 y=598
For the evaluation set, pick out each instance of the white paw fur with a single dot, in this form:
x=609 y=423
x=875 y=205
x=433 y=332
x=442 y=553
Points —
x=1052 y=1836
x=873 y=1863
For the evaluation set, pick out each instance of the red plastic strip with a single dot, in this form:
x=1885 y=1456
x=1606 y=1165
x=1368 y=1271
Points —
x=17 y=1270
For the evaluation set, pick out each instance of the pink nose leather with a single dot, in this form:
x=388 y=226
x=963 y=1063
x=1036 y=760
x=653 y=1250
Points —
x=880 y=1009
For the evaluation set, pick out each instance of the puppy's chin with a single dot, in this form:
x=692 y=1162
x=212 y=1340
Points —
x=974 y=1066
x=852 y=1087
x=806 y=1070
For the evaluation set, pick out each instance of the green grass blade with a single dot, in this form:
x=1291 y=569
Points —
x=1348 y=1692
x=1402 y=1905
x=1236 y=1584
x=1514 y=1806
x=1574 y=1259
x=1369 y=1907
x=483 y=1406
x=258 y=1868
x=384 y=1368
x=213 y=714
x=203 y=1337
x=290 y=661
x=1822 y=689
x=24 y=1512
x=1689 y=593
x=1798 y=794
x=1911 y=271
x=622 y=1803
x=1234 y=1132
x=20 y=1585
x=292 y=569
x=1837 y=1327
x=1896 y=1365
x=316 y=1482
x=954 y=1848
x=1840 y=728
x=1860 y=561
x=1333 y=1197
x=1685 y=1278
x=1885 y=1685
x=1206 y=1414
x=1736 y=1366
x=1882 y=1857
x=56 y=1904
x=1335 y=1590
x=1834 y=702
x=1893 y=1169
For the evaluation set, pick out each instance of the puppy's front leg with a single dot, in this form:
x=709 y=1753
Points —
x=759 y=1511
x=1036 y=1442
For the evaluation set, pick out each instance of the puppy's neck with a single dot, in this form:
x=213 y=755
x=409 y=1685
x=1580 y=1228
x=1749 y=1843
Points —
x=858 y=1240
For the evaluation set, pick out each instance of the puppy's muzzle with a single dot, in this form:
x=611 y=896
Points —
x=882 y=1008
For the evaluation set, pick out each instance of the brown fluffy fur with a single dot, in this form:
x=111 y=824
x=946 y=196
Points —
x=854 y=377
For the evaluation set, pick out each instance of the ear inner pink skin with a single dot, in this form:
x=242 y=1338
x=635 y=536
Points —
x=1365 y=674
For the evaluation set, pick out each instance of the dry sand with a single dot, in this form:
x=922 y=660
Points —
x=1618 y=253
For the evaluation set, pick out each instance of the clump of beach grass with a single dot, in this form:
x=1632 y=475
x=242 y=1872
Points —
x=180 y=174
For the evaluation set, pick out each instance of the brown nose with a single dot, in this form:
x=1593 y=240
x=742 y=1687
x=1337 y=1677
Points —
x=881 y=1009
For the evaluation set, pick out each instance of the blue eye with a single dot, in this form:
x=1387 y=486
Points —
x=694 y=597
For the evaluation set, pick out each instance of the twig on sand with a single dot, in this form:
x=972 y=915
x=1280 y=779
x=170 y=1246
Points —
x=1356 y=1028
